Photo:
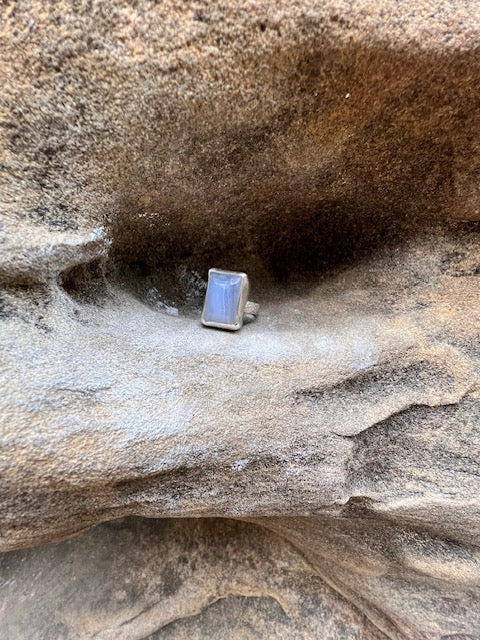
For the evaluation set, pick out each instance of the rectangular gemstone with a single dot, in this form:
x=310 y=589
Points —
x=222 y=298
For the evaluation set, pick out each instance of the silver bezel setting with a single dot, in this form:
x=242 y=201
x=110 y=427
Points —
x=242 y=301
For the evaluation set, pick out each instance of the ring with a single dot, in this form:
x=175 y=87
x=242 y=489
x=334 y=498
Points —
x=226 y=303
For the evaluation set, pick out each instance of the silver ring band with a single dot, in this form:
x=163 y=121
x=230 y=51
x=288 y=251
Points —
x=251 y=308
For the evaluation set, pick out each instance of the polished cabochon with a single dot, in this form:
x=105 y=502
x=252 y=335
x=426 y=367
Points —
x=225 y=300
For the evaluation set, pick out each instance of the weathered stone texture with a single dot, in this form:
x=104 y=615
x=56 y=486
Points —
x=331 y=151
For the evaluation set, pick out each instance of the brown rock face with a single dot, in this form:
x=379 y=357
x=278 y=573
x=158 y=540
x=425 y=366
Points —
x=323 y=463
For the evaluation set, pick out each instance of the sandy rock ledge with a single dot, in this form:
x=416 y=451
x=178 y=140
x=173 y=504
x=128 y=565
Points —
x=317 y=474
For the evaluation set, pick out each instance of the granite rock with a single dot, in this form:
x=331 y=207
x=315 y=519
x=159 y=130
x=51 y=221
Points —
x=330 y=151
x=139 y=578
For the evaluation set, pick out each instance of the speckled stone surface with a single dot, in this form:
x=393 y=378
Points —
x=328 y=149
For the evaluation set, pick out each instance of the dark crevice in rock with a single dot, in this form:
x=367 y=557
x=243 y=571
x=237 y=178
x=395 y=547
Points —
x=85 y=282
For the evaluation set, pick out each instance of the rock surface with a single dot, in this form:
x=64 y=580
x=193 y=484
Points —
x=330 y=150
x=154 y=579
